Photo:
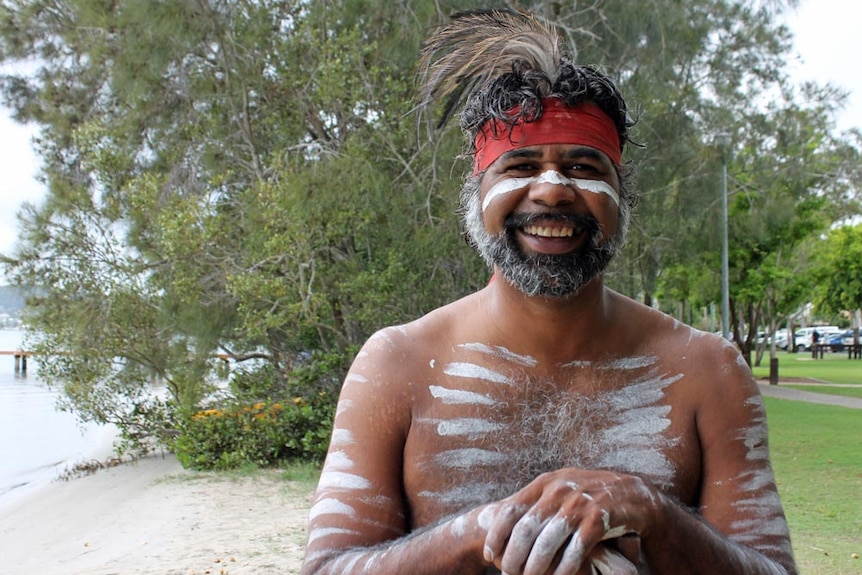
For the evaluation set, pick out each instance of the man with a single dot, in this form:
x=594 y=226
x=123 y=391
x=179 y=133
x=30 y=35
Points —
x=544 y=424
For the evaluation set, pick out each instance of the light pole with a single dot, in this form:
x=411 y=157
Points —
x=722 y=139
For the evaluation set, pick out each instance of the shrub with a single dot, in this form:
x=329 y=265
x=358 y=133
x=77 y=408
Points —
x=264 y=433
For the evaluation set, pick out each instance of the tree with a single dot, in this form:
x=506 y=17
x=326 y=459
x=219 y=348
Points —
x=221 y=178
x=839 y=269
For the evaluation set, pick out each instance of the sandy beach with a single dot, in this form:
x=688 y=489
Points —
x=152 y=516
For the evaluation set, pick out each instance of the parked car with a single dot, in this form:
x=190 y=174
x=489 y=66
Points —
x=839 y=341
x=781 y=338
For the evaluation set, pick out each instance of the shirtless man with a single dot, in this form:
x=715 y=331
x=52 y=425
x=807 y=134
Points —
x=545 y=424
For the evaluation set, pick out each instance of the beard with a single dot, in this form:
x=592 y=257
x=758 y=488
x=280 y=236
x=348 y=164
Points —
x=544 y=275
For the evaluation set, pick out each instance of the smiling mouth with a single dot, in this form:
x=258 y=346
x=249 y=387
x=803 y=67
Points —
x=549 y=231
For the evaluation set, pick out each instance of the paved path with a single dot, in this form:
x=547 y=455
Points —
x=799 y=395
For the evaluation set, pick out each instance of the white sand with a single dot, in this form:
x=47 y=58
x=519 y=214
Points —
x=154 y=517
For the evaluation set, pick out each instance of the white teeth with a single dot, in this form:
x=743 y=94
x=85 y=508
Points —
x=549 y=232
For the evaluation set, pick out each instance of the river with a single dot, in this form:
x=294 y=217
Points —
x=37 y=441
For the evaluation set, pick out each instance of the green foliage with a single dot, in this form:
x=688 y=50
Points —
x=839 y=269
x=264 y=434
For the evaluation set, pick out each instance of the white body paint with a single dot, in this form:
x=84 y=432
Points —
x=473 y=371
x=458 y=396
x=549 y=177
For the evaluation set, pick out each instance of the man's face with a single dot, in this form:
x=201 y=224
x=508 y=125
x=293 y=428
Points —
x=548 y=217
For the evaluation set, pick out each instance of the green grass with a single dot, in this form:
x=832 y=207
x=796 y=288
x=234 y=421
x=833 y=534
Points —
x=817 y=458
x=833 y=368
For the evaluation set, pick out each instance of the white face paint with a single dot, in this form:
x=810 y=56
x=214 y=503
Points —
x=508 y=186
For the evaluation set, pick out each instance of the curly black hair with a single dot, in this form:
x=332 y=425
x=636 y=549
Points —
x=523 y=90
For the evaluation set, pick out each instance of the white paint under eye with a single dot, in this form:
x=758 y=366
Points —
x=473 y=371
x=501 y=352
x=504 y=188
x=459 y=396
x=508 y=186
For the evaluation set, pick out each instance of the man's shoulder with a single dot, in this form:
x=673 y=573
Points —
x=429 y=331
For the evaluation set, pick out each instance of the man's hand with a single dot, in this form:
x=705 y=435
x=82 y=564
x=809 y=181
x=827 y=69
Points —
x=556 y=524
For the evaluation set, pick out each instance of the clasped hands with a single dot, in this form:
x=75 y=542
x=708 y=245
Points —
x=569 y=522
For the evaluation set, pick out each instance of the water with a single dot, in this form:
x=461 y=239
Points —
x=37 y=442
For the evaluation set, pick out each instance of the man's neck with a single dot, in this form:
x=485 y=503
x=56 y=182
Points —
x=558 y=328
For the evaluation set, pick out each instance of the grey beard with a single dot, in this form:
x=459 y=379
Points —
x=553 y=276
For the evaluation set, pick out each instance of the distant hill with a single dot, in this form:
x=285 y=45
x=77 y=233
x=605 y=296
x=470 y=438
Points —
x=11 y=300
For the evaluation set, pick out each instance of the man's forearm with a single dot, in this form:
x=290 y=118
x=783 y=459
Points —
x=453 y=546
x=684 y=543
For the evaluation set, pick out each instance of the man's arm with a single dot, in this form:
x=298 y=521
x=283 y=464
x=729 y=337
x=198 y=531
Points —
x=359 y=522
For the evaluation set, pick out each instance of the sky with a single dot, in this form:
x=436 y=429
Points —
x=825 y=32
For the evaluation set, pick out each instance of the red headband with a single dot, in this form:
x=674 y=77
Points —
x=584 y=124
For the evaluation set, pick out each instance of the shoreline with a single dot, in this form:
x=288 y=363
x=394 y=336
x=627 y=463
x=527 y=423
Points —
x=152 y=516
x=101 y=450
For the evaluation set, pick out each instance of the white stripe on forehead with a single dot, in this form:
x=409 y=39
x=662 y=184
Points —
x=549 y=177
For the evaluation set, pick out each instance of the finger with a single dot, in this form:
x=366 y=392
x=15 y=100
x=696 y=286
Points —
x=573 y=555
x=608 y=562
x=521 y=542
x=504 y=520
x=548 y=543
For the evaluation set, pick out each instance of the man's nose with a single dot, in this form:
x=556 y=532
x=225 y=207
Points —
x=552 y=189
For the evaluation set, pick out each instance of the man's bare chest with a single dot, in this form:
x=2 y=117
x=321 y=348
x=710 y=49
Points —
x=486 y=428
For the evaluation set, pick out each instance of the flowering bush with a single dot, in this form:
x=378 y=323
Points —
x=263 y=434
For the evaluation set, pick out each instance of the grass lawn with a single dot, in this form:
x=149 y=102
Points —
x=817 y=459
x=832 y=368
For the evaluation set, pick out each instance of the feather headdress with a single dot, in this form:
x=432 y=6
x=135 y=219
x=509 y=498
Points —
x=478 y=47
